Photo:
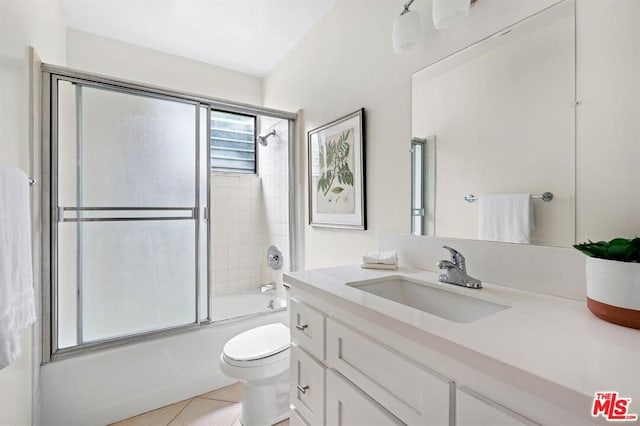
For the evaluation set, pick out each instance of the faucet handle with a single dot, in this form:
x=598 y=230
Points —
x=457 y=258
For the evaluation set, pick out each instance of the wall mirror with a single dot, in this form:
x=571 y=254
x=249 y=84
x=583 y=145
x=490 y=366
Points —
x=498 y=117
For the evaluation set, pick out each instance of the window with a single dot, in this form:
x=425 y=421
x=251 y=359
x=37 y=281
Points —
x=233 y=142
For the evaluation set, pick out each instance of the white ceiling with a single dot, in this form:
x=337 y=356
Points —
x=249 y=36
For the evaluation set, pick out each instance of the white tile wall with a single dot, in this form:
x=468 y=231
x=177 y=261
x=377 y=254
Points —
x=274 y=171
x=248 y=214
x=236 y=233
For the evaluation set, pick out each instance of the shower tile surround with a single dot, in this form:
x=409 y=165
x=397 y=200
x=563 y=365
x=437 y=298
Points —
x=248 y=214
x=236 y=230
x=273 y=165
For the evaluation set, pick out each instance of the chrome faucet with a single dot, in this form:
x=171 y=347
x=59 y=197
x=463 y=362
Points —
x=266 y=287
x=456 y=271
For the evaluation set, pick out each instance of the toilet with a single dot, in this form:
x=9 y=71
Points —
x=260 y=358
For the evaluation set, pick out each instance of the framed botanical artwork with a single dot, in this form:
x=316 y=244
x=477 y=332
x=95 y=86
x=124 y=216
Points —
x=337 y=173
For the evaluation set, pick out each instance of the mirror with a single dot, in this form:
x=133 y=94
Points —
x=500 y=119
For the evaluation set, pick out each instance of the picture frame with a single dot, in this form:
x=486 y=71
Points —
x=336 y=173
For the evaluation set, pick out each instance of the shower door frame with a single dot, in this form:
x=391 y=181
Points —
x=51 y=215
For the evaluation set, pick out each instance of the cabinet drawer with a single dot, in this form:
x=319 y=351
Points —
x=307 y=328
x=306 y=382
x=473 y=409
x=408 y=390
x=348 y=406
x=296 y=420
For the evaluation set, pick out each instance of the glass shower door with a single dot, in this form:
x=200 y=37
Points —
x=129 y=192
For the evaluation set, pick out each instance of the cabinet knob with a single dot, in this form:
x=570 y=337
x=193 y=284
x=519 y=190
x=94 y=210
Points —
x=303 y=389
x=302 y=327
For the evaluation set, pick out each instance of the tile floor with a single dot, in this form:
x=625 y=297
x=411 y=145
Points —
x=220 y=407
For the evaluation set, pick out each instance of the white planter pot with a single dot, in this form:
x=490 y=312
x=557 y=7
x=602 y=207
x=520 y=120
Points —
x=613 y=291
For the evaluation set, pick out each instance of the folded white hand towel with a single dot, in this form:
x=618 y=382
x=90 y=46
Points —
x=17 y=303
x=378 y=266
x=383 y=257
x=505 y=217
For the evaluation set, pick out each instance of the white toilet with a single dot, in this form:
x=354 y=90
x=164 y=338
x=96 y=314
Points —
x=260 y=358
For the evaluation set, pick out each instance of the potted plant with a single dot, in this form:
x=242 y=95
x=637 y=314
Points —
x=613 y=280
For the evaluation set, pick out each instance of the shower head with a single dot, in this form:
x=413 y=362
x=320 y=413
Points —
x=263 y=139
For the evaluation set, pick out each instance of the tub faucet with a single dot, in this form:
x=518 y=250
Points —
x=266 y=287
x=456 y=271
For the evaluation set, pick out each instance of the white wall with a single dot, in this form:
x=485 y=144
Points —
x=101 y=55
x=23 y=23
x=608 y=126
x=346 y=62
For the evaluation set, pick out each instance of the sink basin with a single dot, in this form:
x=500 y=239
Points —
x=428 y=298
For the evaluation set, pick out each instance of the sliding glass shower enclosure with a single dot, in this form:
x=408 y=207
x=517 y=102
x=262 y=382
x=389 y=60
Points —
x=126 y=183
x=129 y=195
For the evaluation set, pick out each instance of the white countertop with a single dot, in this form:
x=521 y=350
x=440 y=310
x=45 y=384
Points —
x=555 y=339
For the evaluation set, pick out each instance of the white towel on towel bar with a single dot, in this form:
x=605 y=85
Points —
x=17 y=304
x=505 y=217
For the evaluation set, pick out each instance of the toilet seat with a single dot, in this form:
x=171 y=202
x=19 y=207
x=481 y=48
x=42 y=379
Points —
x=271 y=359
x=259 y=346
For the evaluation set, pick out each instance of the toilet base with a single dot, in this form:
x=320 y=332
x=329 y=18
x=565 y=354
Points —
x=265 y=403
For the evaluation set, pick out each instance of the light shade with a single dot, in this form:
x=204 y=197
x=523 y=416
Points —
x=447 y=13
x=406 y=31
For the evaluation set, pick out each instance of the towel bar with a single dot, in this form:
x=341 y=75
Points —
x=547 y=196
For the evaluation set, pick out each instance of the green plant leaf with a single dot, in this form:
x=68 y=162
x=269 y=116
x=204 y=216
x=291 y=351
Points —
x=337 y=190
x=620 y=249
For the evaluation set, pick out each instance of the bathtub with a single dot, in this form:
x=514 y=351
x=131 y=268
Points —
x=238 y=306
x=103 y=387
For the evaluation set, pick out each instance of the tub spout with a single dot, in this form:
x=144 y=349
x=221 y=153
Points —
x=267 y=287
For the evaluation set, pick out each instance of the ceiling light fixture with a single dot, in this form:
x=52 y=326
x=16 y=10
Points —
x=447 y=13
x=406 y=30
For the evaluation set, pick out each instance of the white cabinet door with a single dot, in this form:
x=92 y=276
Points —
x=349 y=406
x=473 y=409
x=307 y=328
x=306 y=391
x=412 y=393
x=296 y=420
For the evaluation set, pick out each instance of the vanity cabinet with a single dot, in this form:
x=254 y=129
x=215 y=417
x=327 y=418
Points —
x=348 y=406
x=358 y=380
x=307 y=386
x=374 y=358
x=408 y=390
x=307 y=328
x=474 y=409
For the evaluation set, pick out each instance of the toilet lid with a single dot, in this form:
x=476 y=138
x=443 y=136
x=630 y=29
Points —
x=259 y=342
